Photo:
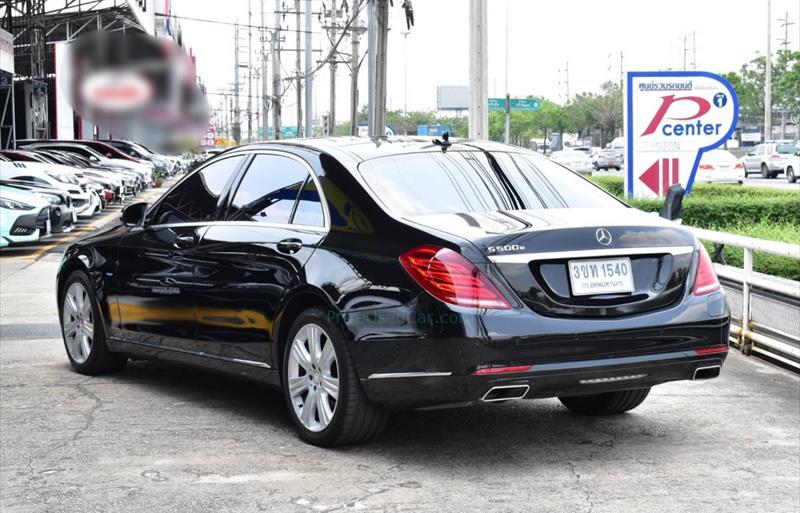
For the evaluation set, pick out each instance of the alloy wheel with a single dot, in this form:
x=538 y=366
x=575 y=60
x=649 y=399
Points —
x=313 y=377
x=78 y=322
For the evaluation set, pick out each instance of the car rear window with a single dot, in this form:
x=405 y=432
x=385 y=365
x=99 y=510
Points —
x=786 y=149
x=460 y=182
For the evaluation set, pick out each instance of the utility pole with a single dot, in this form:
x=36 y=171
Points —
x=309 y=75
x=621 y=73
x=237 y=120
x=405 y=71
x=333 y=16
x=381 y=24
x=768 y=78
x=276 y=73
x=478 y=70
x=507 y=130
x=298 y=73
x=264 y=79
x=785 y=24
x=355 y=34
x=249 y=72
x=685 y=51
x=371 y=38
x=694 y=51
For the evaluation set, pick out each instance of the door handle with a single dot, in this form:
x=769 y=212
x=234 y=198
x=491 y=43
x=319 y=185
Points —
x=290 y=246
x=184 y=241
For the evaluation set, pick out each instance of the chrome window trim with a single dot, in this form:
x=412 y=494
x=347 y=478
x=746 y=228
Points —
x=246 y=153
x=524 y=258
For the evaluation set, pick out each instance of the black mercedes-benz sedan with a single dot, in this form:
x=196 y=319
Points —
x=362 y=276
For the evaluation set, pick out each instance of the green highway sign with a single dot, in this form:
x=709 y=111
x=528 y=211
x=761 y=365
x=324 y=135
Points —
x=523 y=104
x=497 y=104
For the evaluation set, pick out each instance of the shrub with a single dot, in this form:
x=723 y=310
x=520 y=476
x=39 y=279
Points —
x=758 y=212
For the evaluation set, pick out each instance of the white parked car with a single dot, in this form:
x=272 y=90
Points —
x=574 y=160
x=85 y=202
x=719 y=166
x=23 y=217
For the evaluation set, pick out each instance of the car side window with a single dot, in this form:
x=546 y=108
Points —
x=309 y=206
x=197 y=197
x=269 y=190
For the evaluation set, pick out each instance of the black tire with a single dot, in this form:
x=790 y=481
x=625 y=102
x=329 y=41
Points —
x=608 y=403
x=790 y=176
x=355 y=420
x=764 y=171
x=101 y=359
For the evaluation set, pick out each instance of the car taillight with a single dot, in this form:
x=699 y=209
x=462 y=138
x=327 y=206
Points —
x=775 y=156
x=738 y=165
x=706 y=280
x=706 y=167
x=449 y=277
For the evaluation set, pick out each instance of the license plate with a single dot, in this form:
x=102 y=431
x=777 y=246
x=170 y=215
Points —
x=606 y=276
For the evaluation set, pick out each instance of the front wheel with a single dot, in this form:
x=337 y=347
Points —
x=608 y=403
x=83 y=330
x=790 y=176
x=321 y=387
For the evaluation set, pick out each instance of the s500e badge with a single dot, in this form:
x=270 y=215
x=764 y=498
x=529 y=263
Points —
x=504 y=249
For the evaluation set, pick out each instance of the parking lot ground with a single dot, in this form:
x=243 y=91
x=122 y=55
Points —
x=161 y=438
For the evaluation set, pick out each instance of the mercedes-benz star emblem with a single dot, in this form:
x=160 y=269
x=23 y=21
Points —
x=603 y=236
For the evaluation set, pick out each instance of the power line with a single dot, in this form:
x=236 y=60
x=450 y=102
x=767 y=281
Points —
x=233 y=24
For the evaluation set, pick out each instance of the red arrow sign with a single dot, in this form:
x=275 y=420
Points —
x=659 y=173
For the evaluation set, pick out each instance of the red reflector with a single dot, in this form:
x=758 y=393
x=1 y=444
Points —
x=449 y=277
x=711 y=350
x=739 y=165
x=706 y=280
x=502 y=370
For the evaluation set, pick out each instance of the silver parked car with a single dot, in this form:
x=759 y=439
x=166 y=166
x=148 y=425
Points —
x=769 y=158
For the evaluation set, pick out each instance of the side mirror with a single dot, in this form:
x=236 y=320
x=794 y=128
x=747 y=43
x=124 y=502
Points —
x=133 y=215
x=673 y=204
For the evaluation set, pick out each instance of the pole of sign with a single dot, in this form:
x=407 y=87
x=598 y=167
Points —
x=309 y=75
x=768 y=78
x=508 y=95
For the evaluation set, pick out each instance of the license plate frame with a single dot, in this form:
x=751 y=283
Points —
x=594 y=278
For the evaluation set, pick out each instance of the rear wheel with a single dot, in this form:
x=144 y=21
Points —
x=764 y=171
x=321 y=387
x=608 y=403
x=790 y=176
x=83 y=330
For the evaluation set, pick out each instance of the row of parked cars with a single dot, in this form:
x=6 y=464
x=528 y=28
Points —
x=47 y=185
x=769 y=160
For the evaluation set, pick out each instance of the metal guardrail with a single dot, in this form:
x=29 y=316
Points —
x=766 y=308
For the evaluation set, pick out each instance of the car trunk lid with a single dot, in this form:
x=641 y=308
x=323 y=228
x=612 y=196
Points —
x=532 y=251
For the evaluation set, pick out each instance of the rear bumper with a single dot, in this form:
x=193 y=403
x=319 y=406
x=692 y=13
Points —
x=548 y=380
x=405 y=361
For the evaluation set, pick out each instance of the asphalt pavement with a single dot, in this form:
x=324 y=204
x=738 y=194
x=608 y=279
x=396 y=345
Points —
x=161 y=438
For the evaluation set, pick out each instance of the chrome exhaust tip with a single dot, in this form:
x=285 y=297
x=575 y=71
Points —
x=709 y=372
x=505 y=393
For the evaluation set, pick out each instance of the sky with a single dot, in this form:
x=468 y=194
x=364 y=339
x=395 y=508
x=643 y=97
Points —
x=544 y=39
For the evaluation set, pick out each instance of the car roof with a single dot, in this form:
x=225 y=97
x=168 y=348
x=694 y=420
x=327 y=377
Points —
x=359 y=149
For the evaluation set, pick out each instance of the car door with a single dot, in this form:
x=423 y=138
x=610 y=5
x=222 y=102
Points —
x=156 y=285
x=253 y=258
x=753 y=158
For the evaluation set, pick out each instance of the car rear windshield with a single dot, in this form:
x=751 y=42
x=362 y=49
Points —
x=786 y=149
x=460 y=182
